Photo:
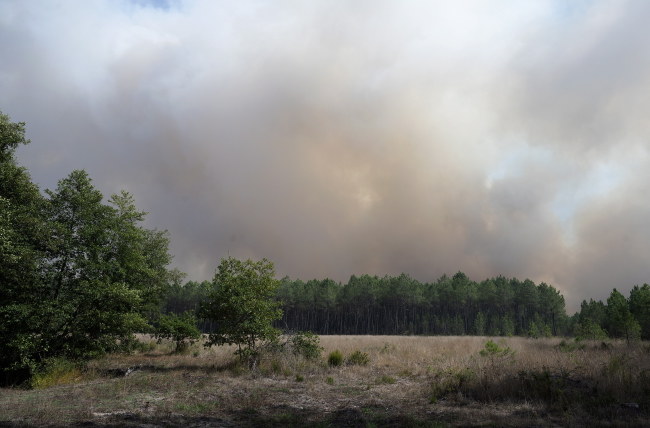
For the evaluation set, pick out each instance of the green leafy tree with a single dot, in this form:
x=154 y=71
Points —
x=619 y=320
x=594 y=311
x=140 y=256
x=77 y=277
x=103 y=270
x=23 y=240
x=242 y=305
x=552 y=307
x=640 y=308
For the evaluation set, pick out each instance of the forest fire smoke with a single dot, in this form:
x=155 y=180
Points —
x=338 y=139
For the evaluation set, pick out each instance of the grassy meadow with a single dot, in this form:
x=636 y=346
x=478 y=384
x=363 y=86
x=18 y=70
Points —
x=392 y=381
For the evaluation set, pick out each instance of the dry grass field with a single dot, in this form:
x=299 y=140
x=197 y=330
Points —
x=408 y=381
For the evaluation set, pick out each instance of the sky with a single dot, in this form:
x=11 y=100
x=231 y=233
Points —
x=334 y=138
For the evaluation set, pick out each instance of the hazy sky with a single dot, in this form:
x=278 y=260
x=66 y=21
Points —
x=340 y=137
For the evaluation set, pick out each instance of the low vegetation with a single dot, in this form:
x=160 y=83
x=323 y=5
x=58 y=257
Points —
x=411 y=381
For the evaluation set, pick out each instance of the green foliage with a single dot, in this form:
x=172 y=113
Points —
x=105 y=274
x=588 y=329
x=480 y=324
x=56 y=371
x=306 y=344
x=179 y=328
x=181 y=297
x=496 y=356
x=593 y=311
x=12 y=135
x=335 y=358
x=242 y=304
x=358 y=358
x=619 y=320
x=538 y=329
x=640 y=308
x=402 y=305
x=492 y=349
x=23 y=240
x=507 y=326
x=446 y=382
x=78 y=277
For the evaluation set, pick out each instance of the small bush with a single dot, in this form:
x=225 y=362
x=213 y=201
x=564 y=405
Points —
x=179 y=328
x=450 y=381
x=496 y=355
x=335 y=358
x=299 y=378
x=358 y=358
x=493 y=350
x=306 y=344
x=329 y=380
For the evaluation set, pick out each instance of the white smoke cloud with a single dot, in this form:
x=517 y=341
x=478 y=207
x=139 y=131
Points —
x=369 y=137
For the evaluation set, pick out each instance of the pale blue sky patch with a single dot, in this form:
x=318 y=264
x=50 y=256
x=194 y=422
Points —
x=515 y=160
x=156 y=4
x=574 y=196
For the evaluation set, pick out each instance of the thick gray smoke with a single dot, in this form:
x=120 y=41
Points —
x=353 y=137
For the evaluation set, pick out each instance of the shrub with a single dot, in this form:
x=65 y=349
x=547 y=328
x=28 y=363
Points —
x=497 y=357
x=335 y=358
x=450 y=381
x=358 y=358
x=179 y=328
x=306 y=344
x=492 y=350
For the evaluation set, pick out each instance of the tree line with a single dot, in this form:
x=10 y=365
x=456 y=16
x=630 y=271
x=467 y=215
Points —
x=449 y=306
x=402 y=305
